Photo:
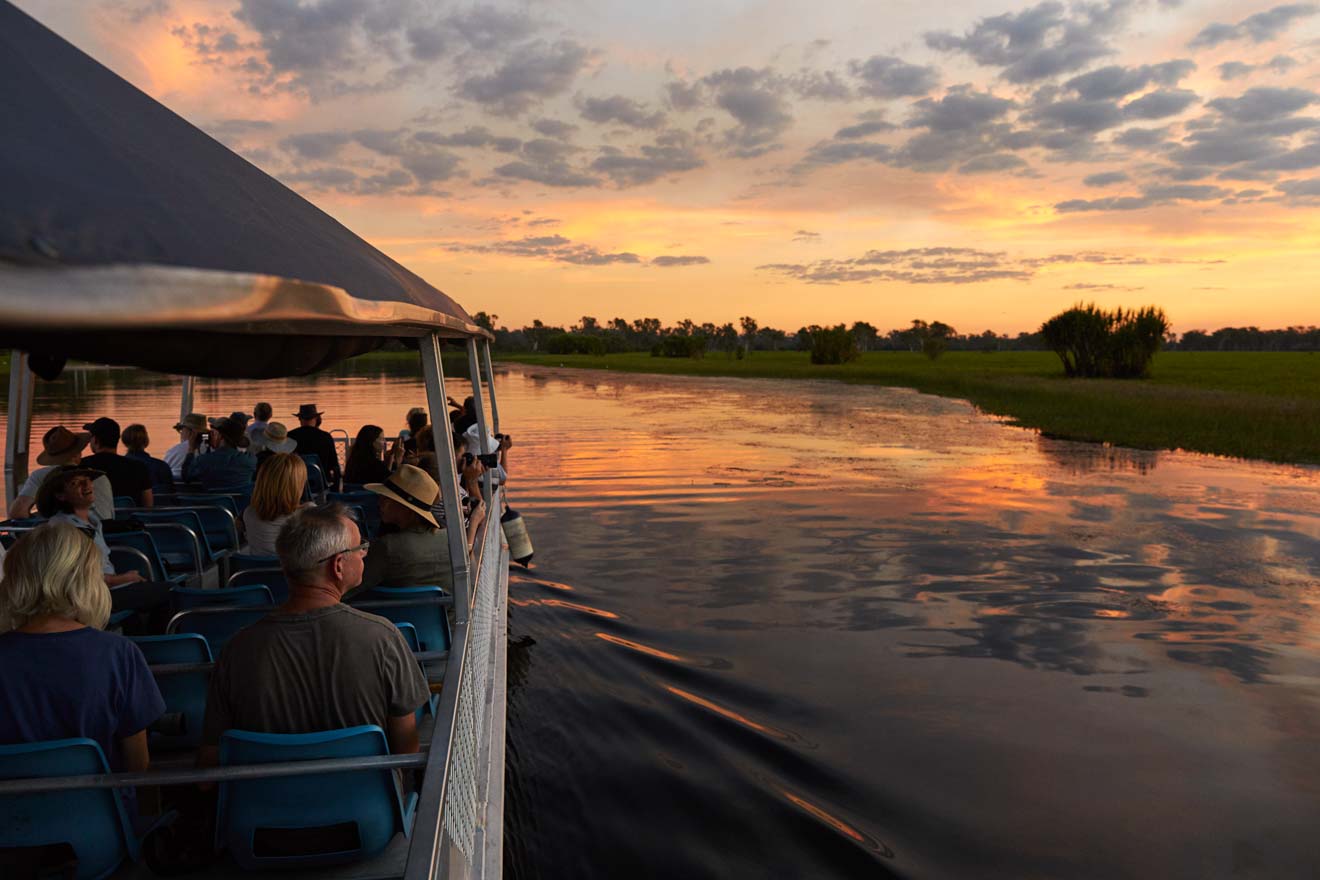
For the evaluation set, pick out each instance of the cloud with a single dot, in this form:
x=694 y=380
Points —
x=667 y=261
x=1150 y=197
x=554 y=128
x=1077 y=115
x=885 y=76
x=1160 y=104
x=754 y=98
x=1259 y=28
x=1305 y=190
x=472 y=136
x=1040 y=42
x=992 y=163
x=1142 y=138
x=684 y=96
x=316 y=144
x=822 y=86
x=1262 y=104
x=537 y=71
x=1280 y=64
x=806 y=235
x=622 y=110
x=1084 y=285
x=1108 y=83
x=962 y=108
x=554 y=248
x=864 y=129
x=838 y=152
x=431 y=167
x=1105 y=178
x=672 y=152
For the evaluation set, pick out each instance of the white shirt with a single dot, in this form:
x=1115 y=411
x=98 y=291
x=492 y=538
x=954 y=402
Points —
x=174 y=457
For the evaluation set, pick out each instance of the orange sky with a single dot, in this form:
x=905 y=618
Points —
x=984 y=164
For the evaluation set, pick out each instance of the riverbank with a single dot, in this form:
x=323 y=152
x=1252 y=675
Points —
x=1257 y=405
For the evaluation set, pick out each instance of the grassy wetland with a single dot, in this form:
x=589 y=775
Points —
x=1258 y=405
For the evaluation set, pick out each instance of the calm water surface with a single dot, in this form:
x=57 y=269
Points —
x=818 y=630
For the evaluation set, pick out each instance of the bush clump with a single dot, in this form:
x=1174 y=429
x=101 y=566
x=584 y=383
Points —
x=832 y=345
x=678 y=346
x=1095 y=343
x=575 y=343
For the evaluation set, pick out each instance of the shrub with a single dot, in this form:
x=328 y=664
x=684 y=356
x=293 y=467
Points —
x=1096 y=343
x=832 y=345
x=575 y=343
x=677 y=346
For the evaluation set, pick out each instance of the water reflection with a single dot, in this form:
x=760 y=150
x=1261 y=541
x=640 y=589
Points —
x=769 y=618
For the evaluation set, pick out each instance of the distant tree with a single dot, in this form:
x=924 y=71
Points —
x=1093 y=342
x=832 y=345
x=485 y=321
x=865 y=334
x=935 y=338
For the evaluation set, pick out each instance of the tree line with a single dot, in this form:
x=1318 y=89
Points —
x=687 y=338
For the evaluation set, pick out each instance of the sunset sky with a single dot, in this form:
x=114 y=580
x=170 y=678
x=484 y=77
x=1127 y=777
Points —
x=981 y=163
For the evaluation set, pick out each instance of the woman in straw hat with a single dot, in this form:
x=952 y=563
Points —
x=413 y=549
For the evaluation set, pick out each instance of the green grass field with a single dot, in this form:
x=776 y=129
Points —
x=1261 y=405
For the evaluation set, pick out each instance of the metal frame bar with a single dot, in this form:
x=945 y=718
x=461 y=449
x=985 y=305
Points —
x=231 y=773
x=18 y=436
x=474 y=373
x=433 y=372
x=186 y=397
x=490 y=386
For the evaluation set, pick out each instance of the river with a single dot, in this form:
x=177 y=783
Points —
x=809 y=629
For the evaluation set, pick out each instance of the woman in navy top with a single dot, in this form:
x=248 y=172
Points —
x=64 y=677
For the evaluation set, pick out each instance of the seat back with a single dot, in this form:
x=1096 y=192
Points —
x=206 y=500
x=145 y=544
x=246 y=596
x=184 y=692
x=271 y=578
x=410 y=636
x=219 y=523
x=306 y=821
x=429 y=618
x=217 y=624
x=370 y=504
x=92 y=821
x=122 y=501
x=172 y=542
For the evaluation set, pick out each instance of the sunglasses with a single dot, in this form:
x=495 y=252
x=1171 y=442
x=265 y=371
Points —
x=363 y=547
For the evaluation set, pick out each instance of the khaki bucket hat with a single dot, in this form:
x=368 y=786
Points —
x=413 y=488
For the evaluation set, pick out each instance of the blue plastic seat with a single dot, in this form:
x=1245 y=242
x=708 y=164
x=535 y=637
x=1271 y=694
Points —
x=145 y=543
x=428 y=617
x=184 y=692
x=246 y=596
x=370 y=504
x=271 y=578
x=174 y=543
x=122 y=501
x=206 y=499
x=92 y=821
x=409 y=633
x=218 y=624
x=270 y=823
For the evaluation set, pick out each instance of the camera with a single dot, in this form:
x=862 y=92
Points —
x=491 y=460
x=467 y=459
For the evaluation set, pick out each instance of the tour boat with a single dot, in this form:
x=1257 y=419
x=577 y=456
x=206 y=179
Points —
x=128 y=236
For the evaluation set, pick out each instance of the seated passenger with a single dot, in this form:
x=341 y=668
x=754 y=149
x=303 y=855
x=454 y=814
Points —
x=190 y=429
x=136 y=441
x=64 y=677
x=364 y=464
x=127 y=477
x=275 y=440
x=66 y=496
x=412 y=549
x=277 y=493
x=261 y=414
x=312 y=440
x=316 y=663
x=226 y=464
x=61 y=447
x=416 y=420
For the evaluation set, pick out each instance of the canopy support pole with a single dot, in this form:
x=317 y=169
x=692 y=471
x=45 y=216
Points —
x=433 y=372
x=490 y=386
x=18 y=433
x=474 y=370
x=186 y=398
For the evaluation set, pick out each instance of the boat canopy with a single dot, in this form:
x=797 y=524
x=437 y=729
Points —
x=129 y=236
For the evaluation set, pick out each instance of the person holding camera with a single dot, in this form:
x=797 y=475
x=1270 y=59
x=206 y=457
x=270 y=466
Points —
x=227 y=464
x=190 y=427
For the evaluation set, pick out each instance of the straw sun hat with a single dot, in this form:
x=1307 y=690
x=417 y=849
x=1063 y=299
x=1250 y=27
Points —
x=413 y=488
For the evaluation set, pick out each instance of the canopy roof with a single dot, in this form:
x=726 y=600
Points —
x=129 y=236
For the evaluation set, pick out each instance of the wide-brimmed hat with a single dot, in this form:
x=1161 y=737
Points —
x=241 y=417
x=195 y=421
x=472 y=436
x=59 y=443
x=275 y=437
x=413 y=488
x=307 y=411
x=232 y=431
x=47 y=505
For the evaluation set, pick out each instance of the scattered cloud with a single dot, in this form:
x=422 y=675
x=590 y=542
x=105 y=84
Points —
x=536 y=72
x=885 y=76
x=560 y=249
x=1105 y=178
x=672 y=152
x=668 y=261
x=621 y=110
x=1259 y=28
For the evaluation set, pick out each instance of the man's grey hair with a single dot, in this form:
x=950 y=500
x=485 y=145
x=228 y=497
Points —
x=308 y=537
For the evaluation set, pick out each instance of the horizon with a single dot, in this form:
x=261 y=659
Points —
x=995 y=161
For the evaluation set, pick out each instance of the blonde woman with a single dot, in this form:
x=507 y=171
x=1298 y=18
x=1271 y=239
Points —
x=63 y=676
x=277 y=494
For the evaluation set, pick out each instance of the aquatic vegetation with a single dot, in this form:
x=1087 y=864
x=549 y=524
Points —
x=1099 y=344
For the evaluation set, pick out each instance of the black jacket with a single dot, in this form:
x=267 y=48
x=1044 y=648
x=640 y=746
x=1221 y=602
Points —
x=314 y=441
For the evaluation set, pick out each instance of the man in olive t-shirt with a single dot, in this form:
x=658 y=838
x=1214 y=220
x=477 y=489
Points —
x=316 y=664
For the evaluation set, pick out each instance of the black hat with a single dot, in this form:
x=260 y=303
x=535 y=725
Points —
x=106 y=431
x=232 y=431
x=241 y=417
x=308 y=411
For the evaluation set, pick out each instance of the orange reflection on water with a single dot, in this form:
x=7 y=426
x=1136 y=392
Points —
x=828 y=818
x=640 y=648
x=586 y=609
x=724 y=712
x=541 y=582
